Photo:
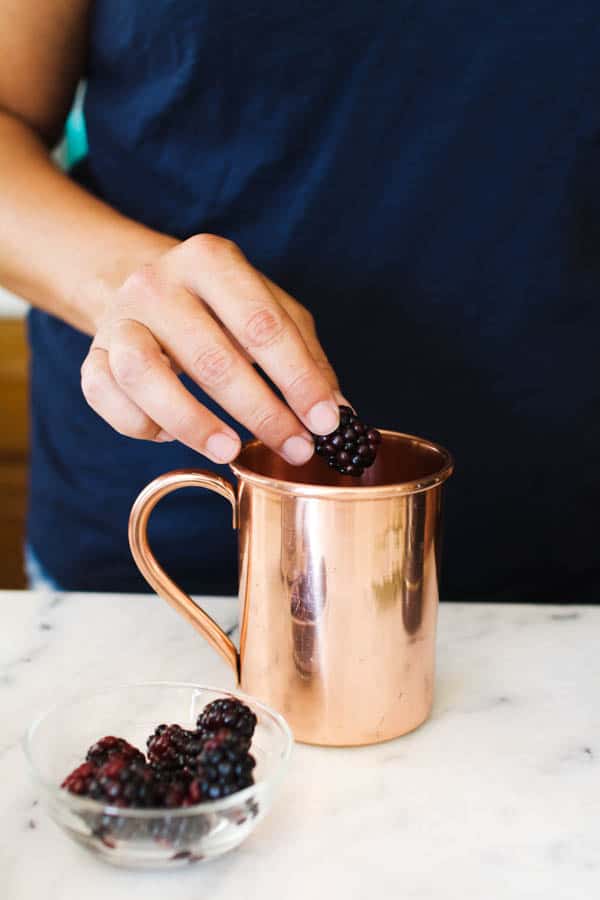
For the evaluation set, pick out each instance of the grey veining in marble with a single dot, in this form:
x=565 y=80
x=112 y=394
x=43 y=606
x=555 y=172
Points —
x=496 y=797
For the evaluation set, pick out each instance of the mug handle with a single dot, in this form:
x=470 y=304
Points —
x=153 y=572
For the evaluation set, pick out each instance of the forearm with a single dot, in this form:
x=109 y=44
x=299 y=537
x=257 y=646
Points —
x=60 y=247
x=198 y=306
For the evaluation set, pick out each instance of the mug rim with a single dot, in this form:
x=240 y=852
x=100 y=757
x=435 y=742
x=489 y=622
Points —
x=351 y=492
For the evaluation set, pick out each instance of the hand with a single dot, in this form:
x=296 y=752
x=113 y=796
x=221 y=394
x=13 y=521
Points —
x=203 y=309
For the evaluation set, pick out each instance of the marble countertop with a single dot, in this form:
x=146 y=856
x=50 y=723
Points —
x=497 y=796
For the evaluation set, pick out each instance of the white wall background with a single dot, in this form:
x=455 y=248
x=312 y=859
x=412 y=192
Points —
x=11 y=306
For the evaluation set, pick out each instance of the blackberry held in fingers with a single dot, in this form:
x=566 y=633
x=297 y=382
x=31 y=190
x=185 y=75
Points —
x=352 y=447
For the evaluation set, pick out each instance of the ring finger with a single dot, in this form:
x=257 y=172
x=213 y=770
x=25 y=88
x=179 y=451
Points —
x=140 y=369
x=106 y=398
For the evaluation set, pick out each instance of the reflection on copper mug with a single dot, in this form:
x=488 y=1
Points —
x=338 y=586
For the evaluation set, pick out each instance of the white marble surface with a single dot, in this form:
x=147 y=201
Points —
x=497 y=796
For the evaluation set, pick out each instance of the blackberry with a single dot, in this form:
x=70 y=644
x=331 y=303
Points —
x=223 y=768
x=120 y=781
x=352 y=447
x=172 y=788
x=231 y=714
x=125 y=782
x=100 y=752
x=172 y=748
x=78 y=781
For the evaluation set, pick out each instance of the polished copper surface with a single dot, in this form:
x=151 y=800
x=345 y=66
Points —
x=154 y=573
x=338 y=586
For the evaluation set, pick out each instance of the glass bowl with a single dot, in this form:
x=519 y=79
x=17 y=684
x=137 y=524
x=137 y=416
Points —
x=58 y=740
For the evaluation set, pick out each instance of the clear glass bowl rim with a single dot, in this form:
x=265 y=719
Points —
x=272 y=778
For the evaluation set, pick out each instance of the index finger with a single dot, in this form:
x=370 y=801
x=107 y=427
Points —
x=220 y=274
x=305 y=323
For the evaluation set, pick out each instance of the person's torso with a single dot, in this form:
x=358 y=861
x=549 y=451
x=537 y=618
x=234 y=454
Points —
x=426 y=179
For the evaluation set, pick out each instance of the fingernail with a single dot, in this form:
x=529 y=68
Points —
x=323 y=417
x=297 y=450
x=341 y=400
x=223 y=447
x=164 y=436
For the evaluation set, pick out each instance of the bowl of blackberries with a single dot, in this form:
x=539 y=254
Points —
x=158 y=774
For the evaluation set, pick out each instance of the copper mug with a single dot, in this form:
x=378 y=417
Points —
x=338 y=586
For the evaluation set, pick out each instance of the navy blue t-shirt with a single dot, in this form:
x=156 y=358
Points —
x=425 y=178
